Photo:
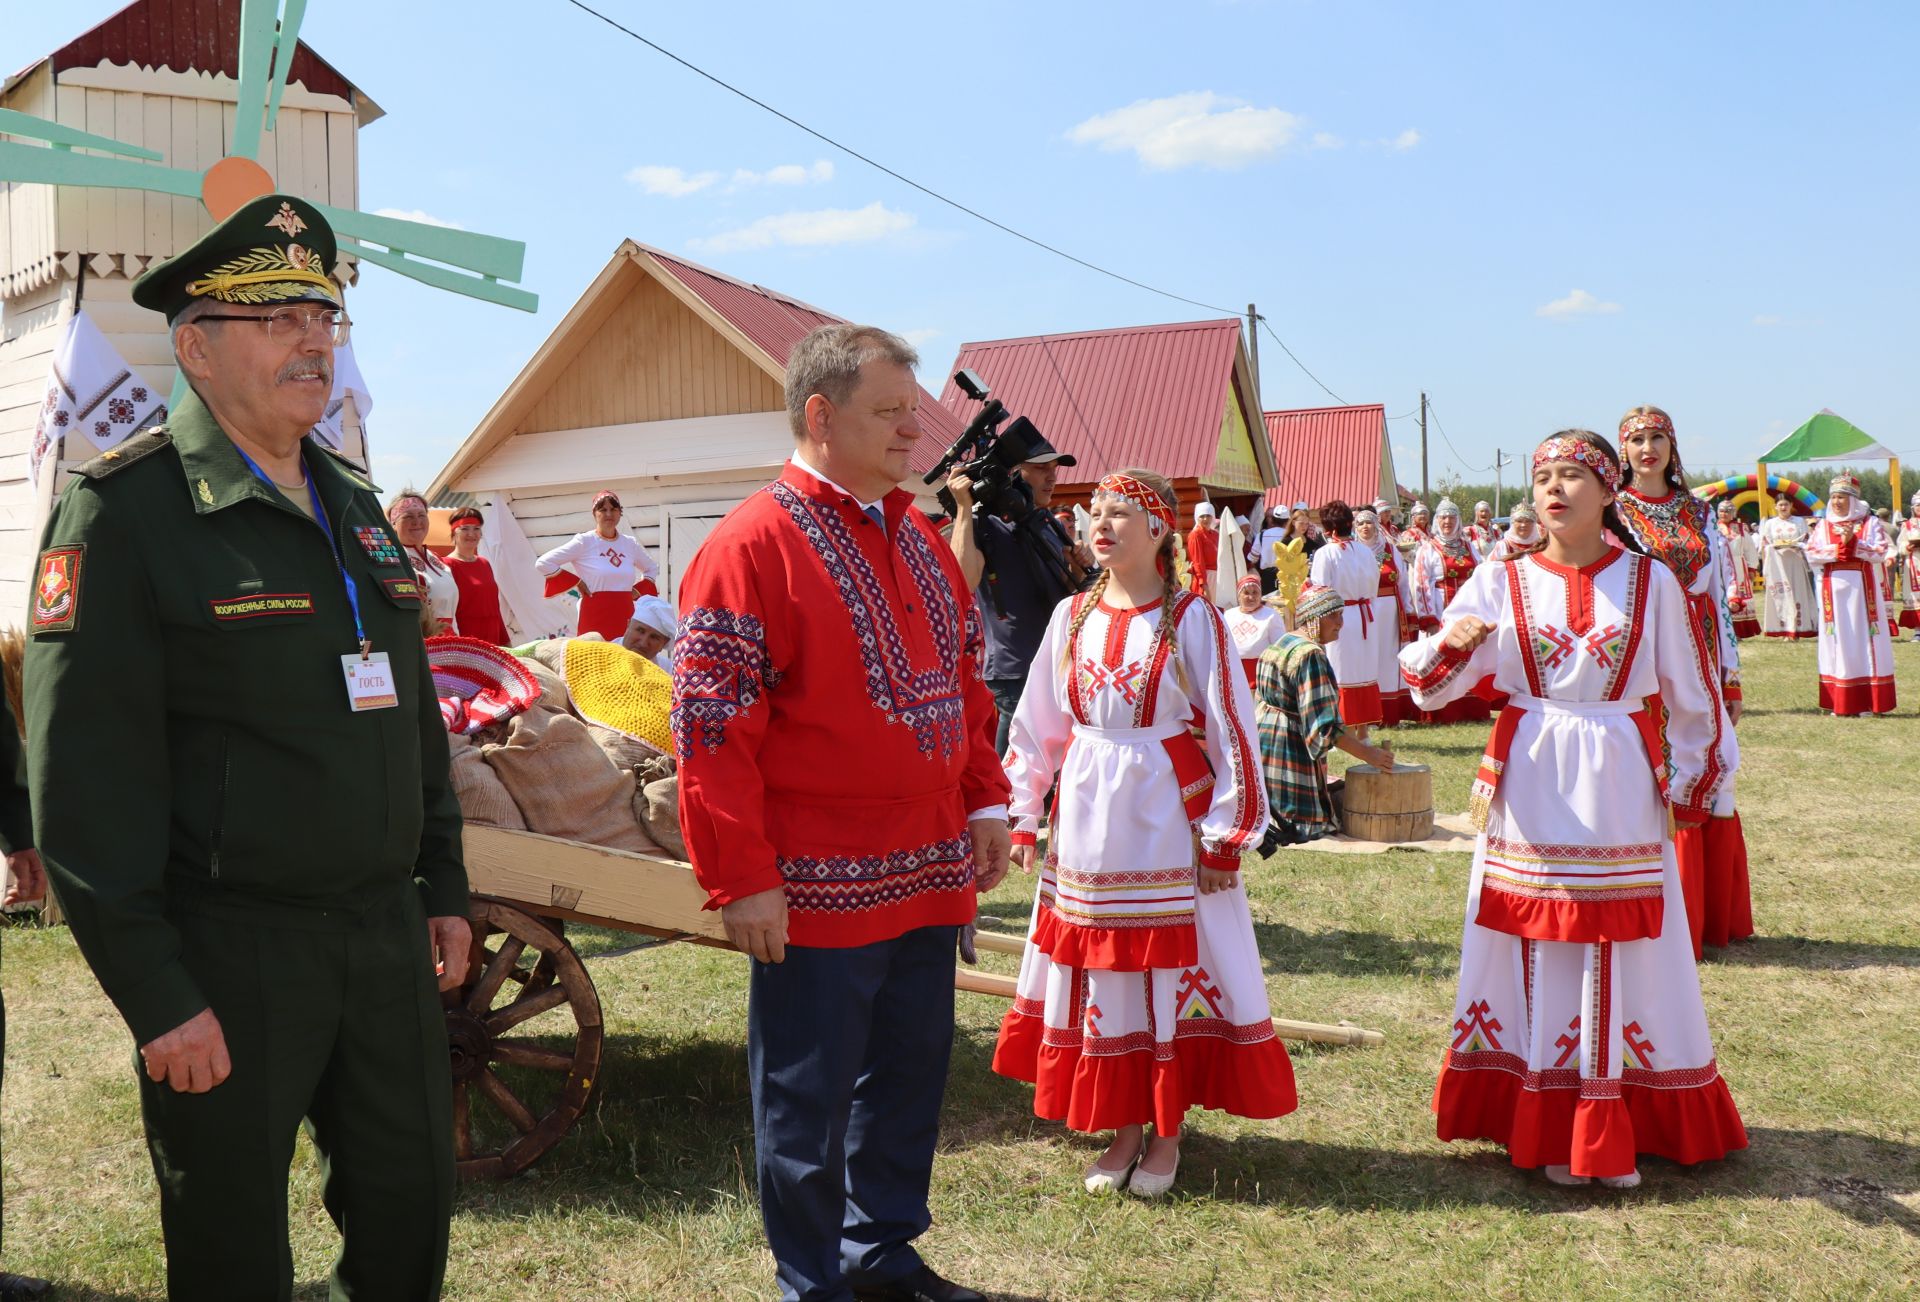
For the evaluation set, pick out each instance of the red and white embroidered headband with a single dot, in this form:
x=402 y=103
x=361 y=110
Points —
x=1591 y=455
x=1140 y=494
x=1654 y=420
x=1251 y=581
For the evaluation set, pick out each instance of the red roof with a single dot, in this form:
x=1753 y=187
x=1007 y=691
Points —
x=775 y=323
x=1140 y=396
x=186 y=36
x=1327 y=452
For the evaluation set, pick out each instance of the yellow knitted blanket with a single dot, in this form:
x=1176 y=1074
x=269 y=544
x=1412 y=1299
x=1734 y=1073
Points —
x=617 y=689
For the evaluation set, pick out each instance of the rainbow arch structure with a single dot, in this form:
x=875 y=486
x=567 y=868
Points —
x=1746 y=491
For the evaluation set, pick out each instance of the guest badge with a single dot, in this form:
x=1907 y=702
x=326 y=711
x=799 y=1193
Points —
x=369 y=681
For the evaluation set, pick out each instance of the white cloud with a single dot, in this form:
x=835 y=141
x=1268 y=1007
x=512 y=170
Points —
x=1406 y=140
x=671 y=181
x=415 y=215
x=1197 y=129
x=786 y=174
x=1769 y=320
x=1327 y=140
x=826 y=226
x=1577 y=303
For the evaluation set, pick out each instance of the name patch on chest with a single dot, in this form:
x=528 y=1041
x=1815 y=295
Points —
x=56 y=590
x=380 y=548
x=398 y=588
x=255 y=605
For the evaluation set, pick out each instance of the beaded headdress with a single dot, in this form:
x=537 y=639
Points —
x=1568 y=448
x=1446 y=507
x=1654 y=420
x=1141 y=494
x=1844 y=484
x=1315 y=601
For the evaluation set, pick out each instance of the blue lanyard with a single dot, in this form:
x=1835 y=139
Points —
x=326 y=527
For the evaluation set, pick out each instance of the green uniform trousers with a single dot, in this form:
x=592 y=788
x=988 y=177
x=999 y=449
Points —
x=333 y=1018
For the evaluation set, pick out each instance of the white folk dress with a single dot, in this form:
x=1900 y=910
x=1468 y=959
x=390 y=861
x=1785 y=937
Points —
x=1253 y=633
x=443 y=590
x=1350 y=569
x=1856 y=653
x=1138 y=997
x=1743 y=558
x=612 y=570
x=1579 y=1037
x=1392 y=614
x=1789 y=608
x=1907 y=560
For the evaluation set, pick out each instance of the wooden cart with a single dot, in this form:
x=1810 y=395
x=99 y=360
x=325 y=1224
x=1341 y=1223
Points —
x=515 y=1092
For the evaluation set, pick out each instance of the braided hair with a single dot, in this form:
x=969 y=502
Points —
x=1170 y=558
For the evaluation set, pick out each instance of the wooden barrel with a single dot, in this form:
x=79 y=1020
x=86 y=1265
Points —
x=1389 y=806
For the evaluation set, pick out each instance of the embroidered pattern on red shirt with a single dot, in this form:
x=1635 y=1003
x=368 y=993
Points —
x=721 y=668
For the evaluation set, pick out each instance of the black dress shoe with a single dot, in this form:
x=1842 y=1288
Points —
x=22 y=1288
x=921 y=1285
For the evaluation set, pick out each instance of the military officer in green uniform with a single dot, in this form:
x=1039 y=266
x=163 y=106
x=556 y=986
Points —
x=239 y=781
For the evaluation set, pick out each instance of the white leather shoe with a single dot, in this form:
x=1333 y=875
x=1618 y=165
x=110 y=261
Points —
x=1631 y=1180
x=1102 y=1180
x=1147 y=1184
x=1564 y=1175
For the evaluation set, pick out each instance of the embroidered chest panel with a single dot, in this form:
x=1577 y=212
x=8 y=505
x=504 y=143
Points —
x=1119 y=652
x=1549 y=639
x=926 y=699
x=1673 y=531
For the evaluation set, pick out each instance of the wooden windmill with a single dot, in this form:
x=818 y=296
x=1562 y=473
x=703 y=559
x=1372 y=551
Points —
x=124 y=146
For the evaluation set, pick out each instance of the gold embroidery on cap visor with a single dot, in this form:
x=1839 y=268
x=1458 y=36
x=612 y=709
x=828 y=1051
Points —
x=268 y=275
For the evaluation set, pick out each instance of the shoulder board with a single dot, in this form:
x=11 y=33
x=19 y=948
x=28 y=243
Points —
x=137 y=448
x=352 y=471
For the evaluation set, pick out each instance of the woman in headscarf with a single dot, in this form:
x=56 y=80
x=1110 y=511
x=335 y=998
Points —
x=1789 y=608
x=1392 y=598
x=1907 y=554
x=1742 y=561
x=1441 y=568
x=1522 y=536
x=1350 y=568
x=1856 y=652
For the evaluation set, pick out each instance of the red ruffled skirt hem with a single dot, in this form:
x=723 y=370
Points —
x=1851 y=696
x=1108 y=949
x=1581 y=923
x=1594 y=1136
x=1094 y=1092
x=1910 y=619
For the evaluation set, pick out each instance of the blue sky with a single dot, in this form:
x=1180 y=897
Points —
x=1539 y=214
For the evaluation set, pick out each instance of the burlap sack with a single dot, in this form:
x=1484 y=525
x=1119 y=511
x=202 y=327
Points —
x=553 y=687
x=658 y=807
x=483 y=800
x=565 y=785
x=660 y=766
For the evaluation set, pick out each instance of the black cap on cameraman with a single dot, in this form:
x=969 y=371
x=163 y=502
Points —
x=1039 y=450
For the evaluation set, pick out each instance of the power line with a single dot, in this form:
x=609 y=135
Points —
x=933 y=194
x=1435 y=417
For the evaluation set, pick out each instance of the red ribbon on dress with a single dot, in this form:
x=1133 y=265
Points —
x=1366 y=614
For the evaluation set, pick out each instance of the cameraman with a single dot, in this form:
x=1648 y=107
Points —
x=1022 y=570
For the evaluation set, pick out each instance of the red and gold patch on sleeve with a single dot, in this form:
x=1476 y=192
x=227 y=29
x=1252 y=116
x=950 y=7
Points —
x=56 y=589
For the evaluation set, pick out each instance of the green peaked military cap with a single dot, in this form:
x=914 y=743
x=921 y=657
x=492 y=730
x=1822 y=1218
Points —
x=274 y=249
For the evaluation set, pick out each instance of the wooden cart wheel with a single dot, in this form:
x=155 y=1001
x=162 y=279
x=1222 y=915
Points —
x=525 y=1038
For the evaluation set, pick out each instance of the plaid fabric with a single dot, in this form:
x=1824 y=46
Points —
x=1297 y=703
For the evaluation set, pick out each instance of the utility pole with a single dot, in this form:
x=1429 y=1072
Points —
x=1425 y=492
x=1498 y=462
x=1253 y=347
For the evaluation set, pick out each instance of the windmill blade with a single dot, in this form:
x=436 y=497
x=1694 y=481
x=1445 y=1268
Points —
x=284 y=47
x=31 y=163
x=428 y=273
x=258 y=20
x=491 y=256
x=14 y=123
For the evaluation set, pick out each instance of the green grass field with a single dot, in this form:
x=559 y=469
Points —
x=1817 y=1024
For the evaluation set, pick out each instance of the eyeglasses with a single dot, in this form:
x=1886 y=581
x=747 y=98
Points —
x=286 y=325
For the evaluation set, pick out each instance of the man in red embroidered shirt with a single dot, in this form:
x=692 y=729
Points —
x=842 y=804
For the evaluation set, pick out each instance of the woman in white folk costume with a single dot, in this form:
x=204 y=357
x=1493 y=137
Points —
x=1856 y=652
x=1141 y=991
x=610 y=568
x=1350 y=569
x=1788 y=608
x=1677 y=529
x=1523 y=535
x=407 y=513
x=1442 y=566
x=1253 y=625
x=1483 y=533
x=1579 y=1039
x=1392 y=598
x=1907 y=556
x=1743 y=558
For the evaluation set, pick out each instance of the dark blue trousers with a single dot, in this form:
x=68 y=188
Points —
x=847 y=1050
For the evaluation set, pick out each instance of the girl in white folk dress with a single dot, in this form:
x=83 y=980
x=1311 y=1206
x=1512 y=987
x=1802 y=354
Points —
x=1141 y=992
x=1579 y=1039
x=1789 y=608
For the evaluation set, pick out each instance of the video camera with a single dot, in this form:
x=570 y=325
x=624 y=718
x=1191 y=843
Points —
x=989 y=456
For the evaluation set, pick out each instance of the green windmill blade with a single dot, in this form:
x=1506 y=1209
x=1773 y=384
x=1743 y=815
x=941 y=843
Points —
x=461 y=262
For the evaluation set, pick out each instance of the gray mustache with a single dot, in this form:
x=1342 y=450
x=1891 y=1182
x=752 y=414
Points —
x=305 y=366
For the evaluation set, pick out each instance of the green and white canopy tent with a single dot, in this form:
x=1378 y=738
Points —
x=1828 y=436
